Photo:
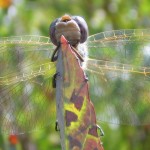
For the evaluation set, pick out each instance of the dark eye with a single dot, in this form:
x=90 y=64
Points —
x=83 y=27
x=52 y=32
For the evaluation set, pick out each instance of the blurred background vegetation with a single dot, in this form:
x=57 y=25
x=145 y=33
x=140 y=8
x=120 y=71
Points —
x=33 y=17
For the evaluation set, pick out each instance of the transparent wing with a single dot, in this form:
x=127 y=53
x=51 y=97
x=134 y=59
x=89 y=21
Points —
x=26 y=93
x=118 y=69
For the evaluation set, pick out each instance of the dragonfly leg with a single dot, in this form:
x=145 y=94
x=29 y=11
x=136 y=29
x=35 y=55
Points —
x=55 y=54
x=57 y=126
x=54 y=80
x=86 y=77
x=101 y=130
x=78 y=55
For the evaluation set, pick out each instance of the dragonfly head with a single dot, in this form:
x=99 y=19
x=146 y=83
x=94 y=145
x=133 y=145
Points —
x=74 y=28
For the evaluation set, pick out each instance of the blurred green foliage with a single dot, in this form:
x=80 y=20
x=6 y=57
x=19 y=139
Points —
x=26 y=17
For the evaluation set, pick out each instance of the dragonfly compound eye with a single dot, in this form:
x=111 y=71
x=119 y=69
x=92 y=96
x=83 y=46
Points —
x=52 y=32
x=83 y=28
x=74 y=29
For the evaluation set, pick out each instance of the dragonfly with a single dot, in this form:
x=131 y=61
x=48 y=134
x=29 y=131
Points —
x=116 y=63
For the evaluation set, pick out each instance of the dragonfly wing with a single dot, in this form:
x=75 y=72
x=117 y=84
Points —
x=118 y=69
x=26 y=94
